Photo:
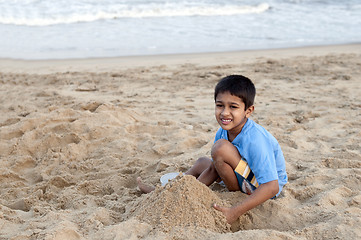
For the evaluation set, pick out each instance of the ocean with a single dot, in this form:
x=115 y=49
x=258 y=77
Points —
x=58 y=29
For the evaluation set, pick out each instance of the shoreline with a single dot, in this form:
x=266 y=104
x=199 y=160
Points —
x=201 y=59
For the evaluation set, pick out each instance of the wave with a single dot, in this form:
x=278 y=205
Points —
x=41 y=17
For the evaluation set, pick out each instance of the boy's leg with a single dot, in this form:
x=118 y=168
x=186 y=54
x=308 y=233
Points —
x=204 y=171
x=209 y=175
x=199 y=166
x=202 y=165
x=226 y=158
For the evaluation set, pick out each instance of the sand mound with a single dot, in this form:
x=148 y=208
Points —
x=184 y=202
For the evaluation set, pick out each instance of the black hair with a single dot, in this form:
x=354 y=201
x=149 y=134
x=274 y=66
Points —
x=237 y=85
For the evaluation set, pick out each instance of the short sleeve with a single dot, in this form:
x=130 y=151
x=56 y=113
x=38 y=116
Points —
x=264 y=167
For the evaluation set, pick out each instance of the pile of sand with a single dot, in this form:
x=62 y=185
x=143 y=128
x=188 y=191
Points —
x=184 y=202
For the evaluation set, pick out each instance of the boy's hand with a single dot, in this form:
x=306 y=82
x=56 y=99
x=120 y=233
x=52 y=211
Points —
x=227 y=212
x=261 y=194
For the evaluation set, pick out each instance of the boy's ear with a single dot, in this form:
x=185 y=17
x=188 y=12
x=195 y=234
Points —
x=249 y=111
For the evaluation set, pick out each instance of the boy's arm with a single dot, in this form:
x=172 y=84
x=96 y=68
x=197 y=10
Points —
x=260 y=195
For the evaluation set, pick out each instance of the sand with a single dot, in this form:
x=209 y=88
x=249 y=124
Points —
x=75 y=135
x=184 y=202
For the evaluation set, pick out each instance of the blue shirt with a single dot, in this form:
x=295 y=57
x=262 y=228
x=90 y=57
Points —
x=261 y=151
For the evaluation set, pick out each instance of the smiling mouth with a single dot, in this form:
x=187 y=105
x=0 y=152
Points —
x=226 y=121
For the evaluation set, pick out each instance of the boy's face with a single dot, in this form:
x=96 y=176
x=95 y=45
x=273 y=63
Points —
x=230 y=113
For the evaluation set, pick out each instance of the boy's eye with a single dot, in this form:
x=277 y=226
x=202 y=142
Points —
x=219 y=105
x=234 y=106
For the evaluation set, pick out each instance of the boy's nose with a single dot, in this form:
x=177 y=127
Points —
x=225 y=112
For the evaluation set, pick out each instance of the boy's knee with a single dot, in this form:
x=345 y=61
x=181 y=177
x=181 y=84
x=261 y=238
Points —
x=203 y=161
x=220 y=147
x=201 y=164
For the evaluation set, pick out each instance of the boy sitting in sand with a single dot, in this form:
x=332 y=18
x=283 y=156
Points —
x=245 y=156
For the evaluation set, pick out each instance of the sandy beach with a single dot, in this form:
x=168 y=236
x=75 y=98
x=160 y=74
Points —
x=75 y=135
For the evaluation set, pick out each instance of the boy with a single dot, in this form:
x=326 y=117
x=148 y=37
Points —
x=245 y=156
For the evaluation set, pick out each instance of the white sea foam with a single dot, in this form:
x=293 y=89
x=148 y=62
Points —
x=41 y=13
x=43 y=29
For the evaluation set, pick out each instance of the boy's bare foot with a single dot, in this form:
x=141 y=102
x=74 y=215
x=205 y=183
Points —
x=144 y=187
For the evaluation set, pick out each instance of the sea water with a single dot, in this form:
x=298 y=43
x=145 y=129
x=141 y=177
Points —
x=54 y=29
